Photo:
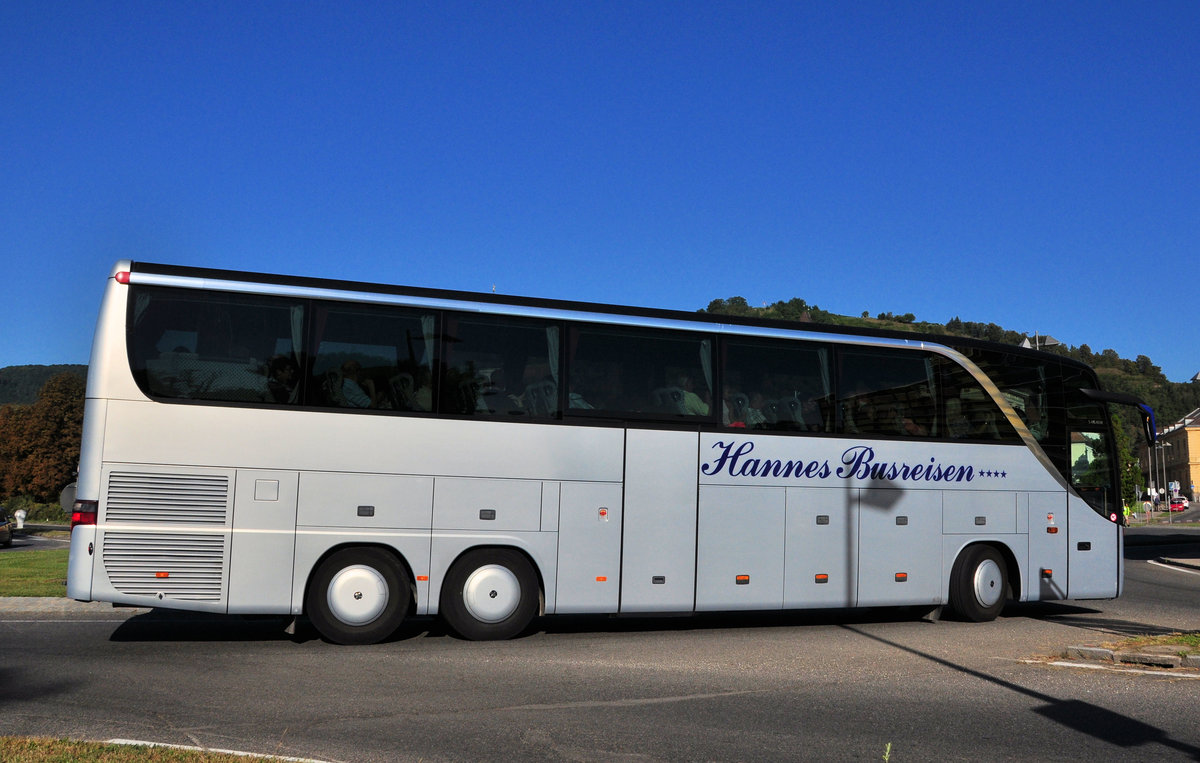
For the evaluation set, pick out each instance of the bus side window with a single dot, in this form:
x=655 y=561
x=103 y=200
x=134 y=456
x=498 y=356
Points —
x=500 y=367
x=968 y=410
x=196 y=345
x=639 y=373
x=778 y=386
x=372 y=357
x=887 y=392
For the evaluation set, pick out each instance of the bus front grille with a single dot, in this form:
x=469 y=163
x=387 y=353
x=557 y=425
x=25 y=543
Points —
x=180 y=566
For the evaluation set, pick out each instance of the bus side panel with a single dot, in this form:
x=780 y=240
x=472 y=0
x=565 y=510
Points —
x=1046 y=574
x=1094 y=553
x=80 y=562
x=589 y=548
x=345 y=508
x=264 y=542
x=901 y=531
x=658 y=566
x=822 y=548
x=739 y=557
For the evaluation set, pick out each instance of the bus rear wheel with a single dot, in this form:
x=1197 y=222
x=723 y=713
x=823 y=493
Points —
x=358 y=596
x=490 y=594
x=979 y=584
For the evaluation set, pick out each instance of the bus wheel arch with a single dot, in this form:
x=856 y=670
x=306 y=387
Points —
x=491 y=593
x=359 y=594
x=981 y=581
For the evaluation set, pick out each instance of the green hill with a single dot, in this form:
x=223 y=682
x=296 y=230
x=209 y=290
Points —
x=21 y=384
x=1171 y=401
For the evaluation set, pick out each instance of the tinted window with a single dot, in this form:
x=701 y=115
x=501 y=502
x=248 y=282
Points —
x=886 y=392
x=639 y=373
x=500 y=367
x=968 y=411
x=906 y=393
x=372 y=357
x=196 y=345
x=779 y=386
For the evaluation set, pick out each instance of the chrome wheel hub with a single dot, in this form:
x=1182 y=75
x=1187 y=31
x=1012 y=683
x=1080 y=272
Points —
x=492 y=593
x=357 y=595
x=988 y=583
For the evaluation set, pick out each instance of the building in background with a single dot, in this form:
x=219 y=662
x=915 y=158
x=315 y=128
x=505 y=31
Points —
x=1175 y=458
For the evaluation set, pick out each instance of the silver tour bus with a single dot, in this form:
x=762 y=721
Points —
x=358 y=453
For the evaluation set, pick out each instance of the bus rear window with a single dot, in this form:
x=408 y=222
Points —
x=192 y=345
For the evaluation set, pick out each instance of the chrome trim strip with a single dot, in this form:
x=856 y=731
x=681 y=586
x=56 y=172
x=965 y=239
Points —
x=521 y=311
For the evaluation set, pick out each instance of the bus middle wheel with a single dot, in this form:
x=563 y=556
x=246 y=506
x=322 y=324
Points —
x=489 y=594
x=358 y=596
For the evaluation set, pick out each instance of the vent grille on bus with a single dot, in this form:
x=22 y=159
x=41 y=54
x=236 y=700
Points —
x=195 y=499
x=181 y=566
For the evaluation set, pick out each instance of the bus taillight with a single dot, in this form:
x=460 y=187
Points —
x=84 y=513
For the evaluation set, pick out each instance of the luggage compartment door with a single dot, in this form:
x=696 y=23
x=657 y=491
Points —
x=658 y=566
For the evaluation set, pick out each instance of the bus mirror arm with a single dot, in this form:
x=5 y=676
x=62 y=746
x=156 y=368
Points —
x=1149 y=427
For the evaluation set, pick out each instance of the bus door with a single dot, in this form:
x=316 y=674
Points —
x=658 y=559
x=1094 y=544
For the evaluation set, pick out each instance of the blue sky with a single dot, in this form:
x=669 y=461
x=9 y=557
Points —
x=1035 y=165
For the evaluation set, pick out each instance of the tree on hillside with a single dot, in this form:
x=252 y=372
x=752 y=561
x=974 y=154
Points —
x=39 y=443
x=732 y=306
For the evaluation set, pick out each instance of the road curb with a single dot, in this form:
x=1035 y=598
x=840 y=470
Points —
x=1168 y=657
x=1187 y=563
x=53 y=605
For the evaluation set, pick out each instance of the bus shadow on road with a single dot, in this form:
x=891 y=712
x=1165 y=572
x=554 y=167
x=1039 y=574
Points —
x=1084 y=618
x=1077 y=715
x=178 y=625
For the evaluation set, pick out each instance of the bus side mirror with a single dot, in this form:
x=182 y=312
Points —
x=1148 y=425
x=66 y=499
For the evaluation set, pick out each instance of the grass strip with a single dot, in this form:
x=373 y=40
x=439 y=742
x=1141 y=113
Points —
x=37 y=750
x=1183 y=643
x=33 y=573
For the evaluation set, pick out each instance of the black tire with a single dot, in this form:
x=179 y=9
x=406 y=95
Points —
x=358 y=596
x=490 y=594
x=979 y=584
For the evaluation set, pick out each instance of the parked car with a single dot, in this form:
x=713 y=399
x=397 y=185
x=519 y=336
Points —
x=6 y=529
x=1179 y=504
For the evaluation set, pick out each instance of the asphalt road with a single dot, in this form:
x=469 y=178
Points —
x=832 y=685
x=25 y=542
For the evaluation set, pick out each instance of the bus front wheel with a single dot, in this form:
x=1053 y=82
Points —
x=979 y=584
x=490 y=594
x=358 y=596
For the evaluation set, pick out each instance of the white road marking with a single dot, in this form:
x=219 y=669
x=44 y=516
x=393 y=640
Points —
x=240 y=753
x=1174 y=567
